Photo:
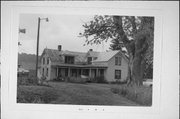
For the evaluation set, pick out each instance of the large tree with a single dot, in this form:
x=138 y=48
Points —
x=135 y=34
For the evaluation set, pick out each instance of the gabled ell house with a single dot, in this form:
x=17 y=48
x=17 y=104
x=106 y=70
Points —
x=111 y=65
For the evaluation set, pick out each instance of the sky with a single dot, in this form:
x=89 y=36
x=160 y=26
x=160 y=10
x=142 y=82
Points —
x=60 y=30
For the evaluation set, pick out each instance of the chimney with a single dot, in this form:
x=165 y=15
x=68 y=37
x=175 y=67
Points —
x=90 y=49
x=59 y=47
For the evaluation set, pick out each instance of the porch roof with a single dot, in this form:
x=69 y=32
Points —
x=79 y=66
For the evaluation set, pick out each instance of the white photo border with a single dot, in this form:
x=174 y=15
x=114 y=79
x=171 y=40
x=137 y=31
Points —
x=70 y=9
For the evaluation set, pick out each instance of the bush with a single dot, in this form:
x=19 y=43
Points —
x=99 y=79
x=118 y=82
x=35 y=94
x=76 y=80
x=59 y=79
x=141 y=95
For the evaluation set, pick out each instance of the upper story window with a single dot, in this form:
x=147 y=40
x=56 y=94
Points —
x=43 y=60
x=69 y=59
x=43 y=71
x=47 y=72
x=89 y=60
x=118 y=61
x=47 y=60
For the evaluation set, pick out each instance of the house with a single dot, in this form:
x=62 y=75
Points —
x=112 y=65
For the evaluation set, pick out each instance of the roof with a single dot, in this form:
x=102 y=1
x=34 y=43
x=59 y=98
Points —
x=53 y=55
x=105 y=56
x=92 y=53
x=80 y=66
x=56 y=56
x=79 y=56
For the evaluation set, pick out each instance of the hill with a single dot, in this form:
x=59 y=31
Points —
x=28 y=61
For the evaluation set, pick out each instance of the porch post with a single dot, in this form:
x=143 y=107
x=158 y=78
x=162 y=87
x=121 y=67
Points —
x=76 y=71
x=68 y=71
x=89 y=72
x=96 y=72
x=81 y=71
x=57 y=71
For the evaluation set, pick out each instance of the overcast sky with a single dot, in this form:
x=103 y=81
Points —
x=60 y=30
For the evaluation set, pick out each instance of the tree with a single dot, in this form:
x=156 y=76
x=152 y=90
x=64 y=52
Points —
x=135 y=34
x=116 y=44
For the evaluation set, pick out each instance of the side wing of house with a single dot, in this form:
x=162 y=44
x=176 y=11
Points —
x=45 y=66
x=117 y=68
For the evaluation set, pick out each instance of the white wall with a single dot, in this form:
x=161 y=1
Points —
x=110 y=72
x=45 y=66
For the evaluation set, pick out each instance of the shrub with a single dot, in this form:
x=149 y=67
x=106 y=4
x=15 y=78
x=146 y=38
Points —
x=59 y=79
x=35 y=94
x=76 y=80
x=118 y=82
x=99 y=79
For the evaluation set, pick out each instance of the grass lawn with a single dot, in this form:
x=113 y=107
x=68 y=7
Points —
x=78 y=94
x=35 y=94
x=87 y=94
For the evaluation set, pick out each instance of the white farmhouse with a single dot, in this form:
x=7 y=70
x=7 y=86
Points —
x=111 y=65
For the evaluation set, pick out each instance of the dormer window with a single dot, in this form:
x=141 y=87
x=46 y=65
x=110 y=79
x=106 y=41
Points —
x=69 y=59
x=89 y=60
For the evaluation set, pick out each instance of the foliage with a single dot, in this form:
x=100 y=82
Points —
x=99 y=79
x=35 y=94
x=118 y=82
x=134 y=34
x=75 y=80
x=116 y=44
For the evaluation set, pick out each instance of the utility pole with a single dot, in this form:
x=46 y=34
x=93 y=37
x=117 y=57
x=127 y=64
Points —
x=37 y=50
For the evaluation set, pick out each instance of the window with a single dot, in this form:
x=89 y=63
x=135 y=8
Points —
x=117 y=74
x=47 y=60
x=43 y=71
x=43 y=60
x=118 y=61
x=47 y=72
x=89 y=60
x=69 y=59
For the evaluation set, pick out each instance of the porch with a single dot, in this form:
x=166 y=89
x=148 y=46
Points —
x=80 y=72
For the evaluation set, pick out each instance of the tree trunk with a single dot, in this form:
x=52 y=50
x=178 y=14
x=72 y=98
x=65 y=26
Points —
x=136 y=50
x=136 y=68
x=137 y=62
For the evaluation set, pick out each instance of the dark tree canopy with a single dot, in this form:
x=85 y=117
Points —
x=135 y=34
